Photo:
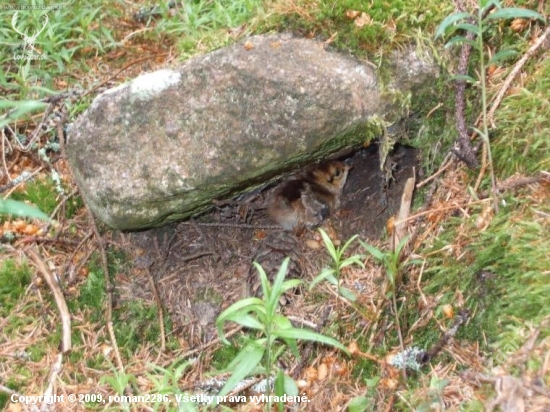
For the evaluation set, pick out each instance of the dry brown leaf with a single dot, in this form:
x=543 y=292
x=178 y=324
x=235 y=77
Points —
x=340 y=369
x=260 y=234
x=390 y=225
x=311 y=374
x=513 y=91
x=322 y=372
x=362 y=20
x=14 y=407
x=31 y=230
x=518 y=25
x=388 y=383
x=313 y=244
x=484 y=219
x=491 y=69
x=19 y=225
x=302 y=384
x=352 y=14
x=353 y=348
x=448 y=311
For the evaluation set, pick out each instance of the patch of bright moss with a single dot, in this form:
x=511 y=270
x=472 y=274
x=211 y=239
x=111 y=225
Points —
x=223 y=356
x=500 y=273
x=96 y=362
x=136 y=323
x=92 y=294
x=43 y=194
x=521 y=142
x=37 y=351
x=14 y=279
x=9 y=383
x=40 y=192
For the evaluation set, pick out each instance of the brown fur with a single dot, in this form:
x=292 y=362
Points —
x=309 y=198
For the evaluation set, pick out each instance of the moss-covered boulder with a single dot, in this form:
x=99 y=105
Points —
x=161 y=147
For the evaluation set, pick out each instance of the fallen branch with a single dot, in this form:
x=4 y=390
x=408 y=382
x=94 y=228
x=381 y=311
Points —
x=48 y=393
x=108 y=290
x=59 y=299
x=514 y=182
x=441 y=209
x=400 y=230
x=463 y=146
x=447 y=162
x=232 y=225
x=202 y=348
x=160 y=310
x=461 y=318
x=517 y=67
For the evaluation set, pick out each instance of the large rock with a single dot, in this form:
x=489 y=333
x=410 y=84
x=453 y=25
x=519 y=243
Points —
x=161 y=147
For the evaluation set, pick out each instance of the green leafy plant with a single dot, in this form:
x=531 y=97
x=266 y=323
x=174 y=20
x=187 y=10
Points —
x=42 y=193
x=332 y=274
x=119 y=381
x=476 y=25
x=392 y=265
x=18 y=109
x=275 y=334
x=168 y=384
x=21 y=209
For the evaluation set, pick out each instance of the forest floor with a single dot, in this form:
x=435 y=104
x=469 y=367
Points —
x=472 y=292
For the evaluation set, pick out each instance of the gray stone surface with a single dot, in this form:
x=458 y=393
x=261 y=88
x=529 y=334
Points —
x=162 y=146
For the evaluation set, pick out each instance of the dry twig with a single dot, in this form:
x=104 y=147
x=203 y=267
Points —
x=463 y=147
x=517 y=67
x=213 y=342
x=59 y=299
x=160 y=310
x=404 y=211
x=461 y=318
x=514 y=182
x=447 y=162
x=48 y=393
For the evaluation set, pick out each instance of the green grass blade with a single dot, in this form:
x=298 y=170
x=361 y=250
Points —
x=449 y=21
x=305 y=334
x=242 y=365
x=502 y=55
x=21 y=209
x=469 y=27
x=375 y=252
x=329 y=245
x=347 y=293
x=325 y=273
x=515 y=13
x=461 y=40
x=20 y=109
x=279 y=279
